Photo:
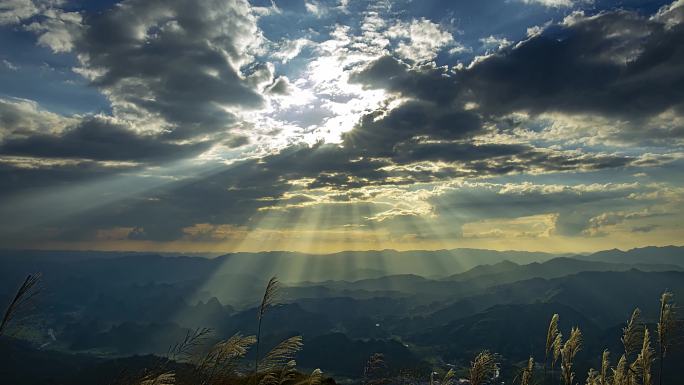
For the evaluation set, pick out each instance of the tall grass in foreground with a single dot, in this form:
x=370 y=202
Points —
x=634 y=367
x=667 y=323
x=267 y=300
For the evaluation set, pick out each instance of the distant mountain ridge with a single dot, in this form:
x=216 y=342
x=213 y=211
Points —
x=557 y=267
x=288 y=266
x=673 y=255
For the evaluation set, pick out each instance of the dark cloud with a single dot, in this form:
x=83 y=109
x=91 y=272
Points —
x=618 y=64
x=177 y=60
x=427 y=83
x=377 y=133
x=575 y=207
x=100 y=139
x=280 y=86
x=22 y=175
x=462 y=151
x=236 y=141
x=644 y=229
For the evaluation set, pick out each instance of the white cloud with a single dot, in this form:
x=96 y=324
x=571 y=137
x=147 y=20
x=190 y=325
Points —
x=314 y=7
x=289 y=49
x=556 y=3
x=21 y=118
x=420 y=40
x=494 y=42
x=9 y=65
x=671 y=15
x=14 y=11
x=57 y=30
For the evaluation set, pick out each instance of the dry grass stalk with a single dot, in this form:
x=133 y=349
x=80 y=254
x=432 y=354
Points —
x=644 y=360
x=285 y=374
x=667 y=325
x=621 y=373
x=632 y=334
x=483 y=368
x=283 y=353
x=269 y=297
x=186 y=348
x=604 y=376
x=570 y=349
x=168 y=378
x=222 y=359
x=557 y=348
x=267 y=300
x=551 y=335
x=593 y=377
x=22 y=299
x=449 y=378
x=600 y=377
x=316 y=377
x=527 y=373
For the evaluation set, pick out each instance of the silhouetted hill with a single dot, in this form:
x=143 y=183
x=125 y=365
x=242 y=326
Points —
x=515 y=331
x=23 y=364
x=669 y=255
x=604 y=297
x=505 y=272
x=337 y=354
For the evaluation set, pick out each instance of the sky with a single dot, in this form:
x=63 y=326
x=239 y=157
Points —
x=320 y=126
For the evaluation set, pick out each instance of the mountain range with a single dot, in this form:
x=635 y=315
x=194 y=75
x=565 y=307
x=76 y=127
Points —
x=98 y=308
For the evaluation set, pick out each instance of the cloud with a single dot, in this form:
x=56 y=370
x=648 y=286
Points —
x=671 y=15
x=578 y=210
x=289 y=49
x=432 y=120
x=616 y=69
x=427 y=83
x=179 y=78
x=644 y=229
x=555 y=3
x=190 y=68
x=378 y=133
x=599 y=224
x=534 y=226
x=280 y=86
x=314 y=7
x=420 y=40
x=57 y=29
x=9 y=65
x=99 y=138
x=21 y=175
x=617 y=64
x=493 y=42
x=22 y=117
x=38 y=147
x=15 y=11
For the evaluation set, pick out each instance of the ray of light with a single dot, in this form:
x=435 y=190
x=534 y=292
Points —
x=49 y=206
